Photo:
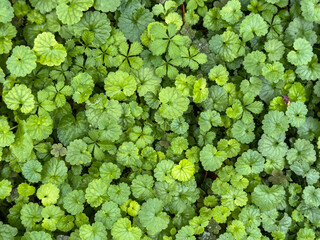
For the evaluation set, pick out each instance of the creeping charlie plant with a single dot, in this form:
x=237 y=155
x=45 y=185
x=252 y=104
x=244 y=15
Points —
x=159 y=119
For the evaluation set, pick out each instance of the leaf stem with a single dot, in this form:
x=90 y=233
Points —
x=183 y=12
x=205 y=177
x=13 y=127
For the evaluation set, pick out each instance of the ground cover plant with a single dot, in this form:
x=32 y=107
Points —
x=143 y=119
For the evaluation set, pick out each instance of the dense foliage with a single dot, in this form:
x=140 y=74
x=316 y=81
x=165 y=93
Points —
x=176 y=119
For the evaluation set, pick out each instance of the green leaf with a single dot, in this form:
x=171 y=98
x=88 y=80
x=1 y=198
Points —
x=303 y=151
x=109 y=171
x=192 y=57
x=194 y=4
x=31 y=171
x=167 y=42
x=273 y=71
x=39 y=127
x=299 y=27
x=231 y=147
x=220 y=214
x=128 y=154
x=77 y=153
x=122 y=230
x=107 y=5
x=100 y=109
x=231 y=11
x=74 y=201
x=119 y=85
x=83 y=86
x=163 y=170
x=250 y=162
x=44 y=6
x=251 y=86
x=2 y=75
x=54 y=171
x=212 y=159
x=191 y=17
x=275 y=123
x=208 y=119
x=267 y=198
x=235 y=111
x=52 y=215
x=30 y=214
x=6 y=136
x=48 y=50
x=108 y=215
x=96 y=231
x=184 y=83
x=70 y=11
x=253 y=24
x=96 y=192
x=111 y=131
x=22 y=61
x=297 y=92
x=158 y=46
x=146 y=80
x=237 y=229
x=45 y=105
x=129 y=57
x=227 y=45
x=254 y=62
x=5 y=188
x=302 y=53
x=184 y=171
x=59 y=92
x=8 y=32
x=219 y=74
x=133 y=21
x=212 y=20
x=158 y=30
x=94 y=23
x=48 y=194
x=200 y=92
x=296 y=113
x=275 y=49
x=271 y=147
x=142 y=187
x=71 y=128
x=186 y=233
x=119 y=193
x=23 y=144
x=152 y=217
x=278 y=178
x=255 y=107
x=173 y=105
x=310 y=11
x=20 y=97
x=169 y=67
x=310 y=71
x=312 y=176
x=6 y=11
x=8 y=232
x=311 y=196
x=24 y=189
x=305 y=233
